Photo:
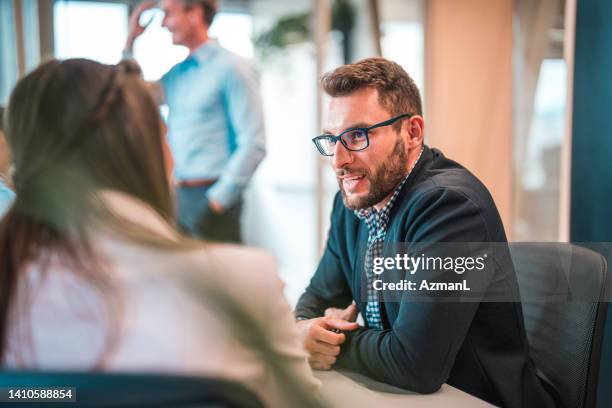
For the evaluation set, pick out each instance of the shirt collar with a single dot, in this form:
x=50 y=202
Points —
x=380 y=218
x=203 y=52
x=371 y=215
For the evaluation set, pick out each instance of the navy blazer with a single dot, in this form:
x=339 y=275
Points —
x=478 y=347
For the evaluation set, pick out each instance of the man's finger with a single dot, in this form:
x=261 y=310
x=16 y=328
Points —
x=320 y=366
x=145 y=6
x=340 y=324
x=334 y=312
x=142 y=7
x=149 y=21
x=321 y=361
x=321 y=333
x=322 y=358
x=350 y=313
x=314 y=346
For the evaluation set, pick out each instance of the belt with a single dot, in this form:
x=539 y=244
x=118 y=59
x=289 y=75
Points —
x=195 y=183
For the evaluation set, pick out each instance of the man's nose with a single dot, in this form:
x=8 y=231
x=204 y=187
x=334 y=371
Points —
x=342 y=156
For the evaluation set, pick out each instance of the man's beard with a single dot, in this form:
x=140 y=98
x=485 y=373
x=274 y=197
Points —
x=383 y=180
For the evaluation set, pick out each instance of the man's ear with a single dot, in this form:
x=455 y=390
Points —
x=197 y=16
x=415 y=129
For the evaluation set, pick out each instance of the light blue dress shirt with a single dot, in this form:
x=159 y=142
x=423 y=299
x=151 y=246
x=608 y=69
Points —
x=215 y=121
x=7 y=196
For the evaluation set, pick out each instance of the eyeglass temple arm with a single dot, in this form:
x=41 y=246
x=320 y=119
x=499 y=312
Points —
x=390 y=121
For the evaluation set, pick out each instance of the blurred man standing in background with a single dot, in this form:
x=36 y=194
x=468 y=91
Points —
x=215 y=122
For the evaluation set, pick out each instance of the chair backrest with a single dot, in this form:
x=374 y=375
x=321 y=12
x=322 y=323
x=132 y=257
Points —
x=115 y=390
x=563 y=288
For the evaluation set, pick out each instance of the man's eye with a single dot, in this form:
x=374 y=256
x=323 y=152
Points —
x=355 y=136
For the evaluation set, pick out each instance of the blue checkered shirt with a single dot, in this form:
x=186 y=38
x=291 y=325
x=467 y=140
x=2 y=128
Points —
x=377 y=222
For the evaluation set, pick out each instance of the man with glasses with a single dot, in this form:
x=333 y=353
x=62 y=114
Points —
x=394 y=189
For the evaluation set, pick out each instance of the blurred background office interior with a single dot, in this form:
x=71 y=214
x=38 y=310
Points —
x=518 y=91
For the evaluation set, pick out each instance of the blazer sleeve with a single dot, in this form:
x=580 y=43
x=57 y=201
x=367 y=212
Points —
x=294 y=380
x=328 y=287
x=418 y=352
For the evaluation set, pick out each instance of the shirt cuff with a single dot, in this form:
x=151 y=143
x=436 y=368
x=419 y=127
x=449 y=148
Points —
x=225 y=194
x=127 y=54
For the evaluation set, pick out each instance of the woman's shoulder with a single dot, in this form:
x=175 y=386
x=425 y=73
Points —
x=240 y=256
x=241 y=268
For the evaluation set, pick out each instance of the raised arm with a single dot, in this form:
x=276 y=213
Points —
x=135 y=29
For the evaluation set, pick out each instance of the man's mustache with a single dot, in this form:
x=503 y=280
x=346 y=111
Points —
x=358 y=172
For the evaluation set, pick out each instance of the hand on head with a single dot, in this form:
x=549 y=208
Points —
x=135 y=28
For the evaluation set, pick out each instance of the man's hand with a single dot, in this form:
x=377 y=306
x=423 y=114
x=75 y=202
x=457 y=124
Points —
x=215 y=206
x=349 y=314
x=321 y=342
x=135 y=29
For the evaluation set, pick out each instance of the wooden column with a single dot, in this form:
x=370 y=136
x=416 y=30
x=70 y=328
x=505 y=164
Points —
x=468 y=87
x=45 y=29
x=322 y=24
x=19 y=40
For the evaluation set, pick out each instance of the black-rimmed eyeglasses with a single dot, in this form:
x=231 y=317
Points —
x=354 y=139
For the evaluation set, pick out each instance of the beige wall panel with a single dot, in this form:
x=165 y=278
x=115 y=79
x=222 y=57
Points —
x=468 y=87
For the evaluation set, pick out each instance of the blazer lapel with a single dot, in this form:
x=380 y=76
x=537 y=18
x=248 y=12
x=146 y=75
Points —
x=359 y=277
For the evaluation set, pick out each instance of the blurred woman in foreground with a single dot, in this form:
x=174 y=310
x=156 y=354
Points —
x=93 y=274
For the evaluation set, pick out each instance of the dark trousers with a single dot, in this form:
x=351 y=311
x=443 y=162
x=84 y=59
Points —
x=198 y=220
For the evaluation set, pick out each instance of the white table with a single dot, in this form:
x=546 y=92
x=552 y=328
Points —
x=348 y=389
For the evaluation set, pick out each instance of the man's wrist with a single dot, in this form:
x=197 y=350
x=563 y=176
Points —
x=127 y=53
x=128 y=48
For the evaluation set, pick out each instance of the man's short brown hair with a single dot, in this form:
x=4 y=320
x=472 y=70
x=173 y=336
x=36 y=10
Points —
x=396 y=90
x=209 y=8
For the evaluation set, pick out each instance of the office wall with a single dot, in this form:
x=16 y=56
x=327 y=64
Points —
x=468 y=87
x=591 y=176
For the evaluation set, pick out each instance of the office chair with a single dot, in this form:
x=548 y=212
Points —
x=563 y=288
x=122 y=390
